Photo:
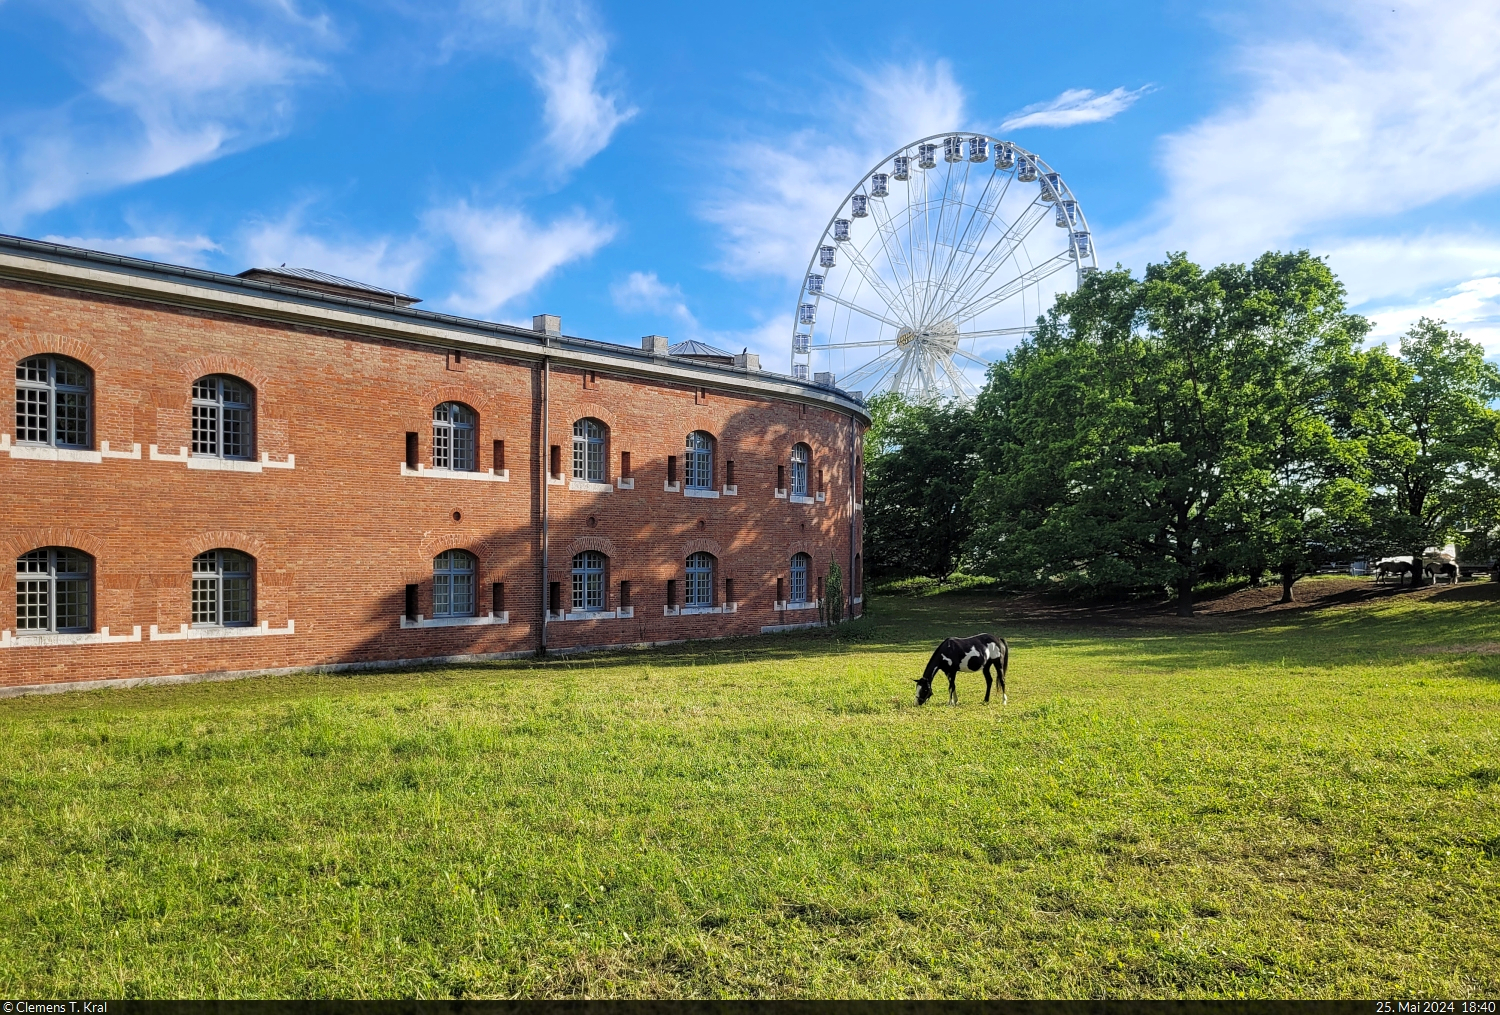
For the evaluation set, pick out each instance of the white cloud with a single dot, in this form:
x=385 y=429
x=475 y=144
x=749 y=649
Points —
x=1389 y=111
x=567 y=57
x=171 y=249
x=1385 y=267
x=1471 y=307
x=642 y=291
x=392 y=263
x=779 y=194
x=505 y=254
x=1073 y=107
x=181 y=87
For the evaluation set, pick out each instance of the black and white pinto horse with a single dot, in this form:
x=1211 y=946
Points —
x=983 y=651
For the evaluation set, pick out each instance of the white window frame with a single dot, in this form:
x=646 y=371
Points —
x=212 y=402
x=48 y=389
x=699 y=587
x=801 y=466
x=454 y=572
x=588 y=450
x=454 y=440
x=214 y=576
x=801 y=562
x=30 y=582
x=698 y=461
x=588 y=581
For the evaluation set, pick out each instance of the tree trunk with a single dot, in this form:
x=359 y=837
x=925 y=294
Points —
x=1418 y=574
x=1185 y=597
x=1288 y=579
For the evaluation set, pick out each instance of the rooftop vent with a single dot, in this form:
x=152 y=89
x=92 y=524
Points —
x=701 y=352
x=547 y=324
x=329 y=285
x=656 y=345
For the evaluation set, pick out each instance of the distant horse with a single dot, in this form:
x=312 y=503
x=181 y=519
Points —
x=983 y=651
x=1385 y=568
x=1444 y=567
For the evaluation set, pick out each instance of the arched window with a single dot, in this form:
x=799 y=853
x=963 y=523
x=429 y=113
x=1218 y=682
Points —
x=699 y=461
x=700 y=579
x=223 y=589
x=453 y=437
x=54 y=591
x=588 y=581
x=801 y=565
x=588 y=450
x=54 y=402
x=223 y=417
x=453 y=584
x=801 y=457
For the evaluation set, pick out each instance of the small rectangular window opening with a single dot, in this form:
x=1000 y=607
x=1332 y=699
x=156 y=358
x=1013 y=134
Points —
x=625 y=465
x=497 y=597
x=728 y=590
x=781 y=590
x=671 y=468
x=555 y=465
x=820 y=480
x=499 y=456
x=411 y=602
x=625 y=593
x=781 y=477
x=554 y=597
x=729 y=472
x=671 y=591
x=411 y=450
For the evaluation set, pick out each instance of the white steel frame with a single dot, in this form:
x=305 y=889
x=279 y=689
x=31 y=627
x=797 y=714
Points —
x=936 y=276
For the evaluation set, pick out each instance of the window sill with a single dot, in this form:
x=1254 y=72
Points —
x=689 y=611
x=620 y=613
x=222 y=464
x=694 y=491
x=796 y=499
x=822 y=496
x=859 y=505
x=556 y=480
x=487 y=476
x=421 y=621
x=100 y=637
x=190 y=633
x=731 y=491
x=858 y=599
x=781 y=495
x=46 y=453
x=671 y=487
x=811 y=604
x=590 y=486
x=627 y=483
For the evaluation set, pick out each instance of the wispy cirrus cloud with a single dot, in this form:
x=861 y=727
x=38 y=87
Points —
x=1074 y=107
x=644 y=292
x=194 y=250
x=568 y=61
x=504 y=253
x=179 y=86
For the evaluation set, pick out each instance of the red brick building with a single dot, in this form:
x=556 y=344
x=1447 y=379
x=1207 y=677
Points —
x=219 y=475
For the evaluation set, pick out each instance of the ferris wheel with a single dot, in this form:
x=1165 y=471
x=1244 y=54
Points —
x=933 y=264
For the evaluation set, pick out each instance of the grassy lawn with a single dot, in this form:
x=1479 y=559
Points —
x=1306 y=805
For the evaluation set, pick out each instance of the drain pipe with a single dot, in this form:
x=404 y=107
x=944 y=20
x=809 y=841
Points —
x=546 y=478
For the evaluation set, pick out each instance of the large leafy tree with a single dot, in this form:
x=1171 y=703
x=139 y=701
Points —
x=920 y=464
x=1431 y=438
x=1131 y=442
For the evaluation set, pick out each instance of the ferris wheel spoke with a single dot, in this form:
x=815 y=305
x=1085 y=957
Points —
x=846 y=304
x=972 y=358
x=876 y=344
x=992 y=332
x=872 y=277
x=1000 y=294
x=1001 y=252
x=881 y=364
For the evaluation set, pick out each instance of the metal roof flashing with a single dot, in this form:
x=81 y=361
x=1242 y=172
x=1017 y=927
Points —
x=76 y=268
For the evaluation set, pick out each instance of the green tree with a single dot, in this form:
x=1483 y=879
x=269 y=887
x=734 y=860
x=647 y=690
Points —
x=920 y=465
x=1135 y=439
x=1430 y=436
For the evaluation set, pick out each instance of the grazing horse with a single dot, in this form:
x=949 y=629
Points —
x=981 y=651
x=1444 y=568
x=1385 y=568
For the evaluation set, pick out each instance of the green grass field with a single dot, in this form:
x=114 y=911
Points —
x=1306 y=806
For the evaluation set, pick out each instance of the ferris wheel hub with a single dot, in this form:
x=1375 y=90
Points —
x=943 y=336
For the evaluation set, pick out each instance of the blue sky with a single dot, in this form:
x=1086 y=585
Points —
x=667 y=167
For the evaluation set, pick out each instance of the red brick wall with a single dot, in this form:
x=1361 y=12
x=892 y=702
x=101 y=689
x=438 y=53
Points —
x=337 y=538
